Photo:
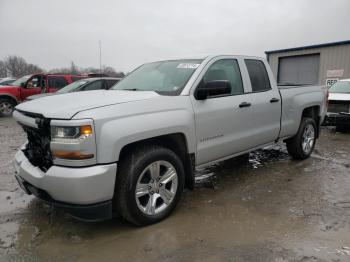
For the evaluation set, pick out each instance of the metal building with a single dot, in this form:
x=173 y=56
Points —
x=322 y=64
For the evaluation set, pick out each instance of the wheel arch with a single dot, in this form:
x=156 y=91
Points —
x=9 y=97
x=176 y=142
x=313 y=112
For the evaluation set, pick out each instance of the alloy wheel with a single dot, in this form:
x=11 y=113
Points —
x=156 y=187
x=6 y=108
x=308 y=139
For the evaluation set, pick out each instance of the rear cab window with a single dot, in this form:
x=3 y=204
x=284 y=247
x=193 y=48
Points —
x=258 y=76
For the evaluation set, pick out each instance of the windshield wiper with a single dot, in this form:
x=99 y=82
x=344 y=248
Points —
x=131 y=89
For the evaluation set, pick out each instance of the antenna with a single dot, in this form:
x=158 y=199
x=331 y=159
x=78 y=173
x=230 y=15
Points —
x=99 y=43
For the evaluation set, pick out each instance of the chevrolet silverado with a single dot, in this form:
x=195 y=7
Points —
x=131 y=150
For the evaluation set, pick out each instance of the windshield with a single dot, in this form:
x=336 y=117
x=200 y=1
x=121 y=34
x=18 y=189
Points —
x=340 y=87
x=72 y=87
x=20 y=81
x=166 y=77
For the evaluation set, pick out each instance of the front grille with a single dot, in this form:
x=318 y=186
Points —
x=338 y=106
x=38 y=148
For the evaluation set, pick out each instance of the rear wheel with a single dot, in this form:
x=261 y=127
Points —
x=6 y=107
x=303 y=143
x=149 y=184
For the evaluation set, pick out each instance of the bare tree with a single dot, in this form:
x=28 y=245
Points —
x=33 y=69
x=16 y=66
x=3 y=70
x=110 y=71
x=74 y=70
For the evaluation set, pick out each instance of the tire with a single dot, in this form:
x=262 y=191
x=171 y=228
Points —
x=6 y=107
x=135 y=169
x=296 y=145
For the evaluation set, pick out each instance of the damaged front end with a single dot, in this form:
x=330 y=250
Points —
x=37 y=150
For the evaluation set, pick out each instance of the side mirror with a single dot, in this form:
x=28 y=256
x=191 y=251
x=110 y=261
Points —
x=214 y=88
x=23 y=84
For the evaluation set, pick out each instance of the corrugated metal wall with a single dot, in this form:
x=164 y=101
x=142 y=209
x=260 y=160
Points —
x=331 y=58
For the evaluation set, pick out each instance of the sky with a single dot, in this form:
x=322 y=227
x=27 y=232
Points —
x=51 y=33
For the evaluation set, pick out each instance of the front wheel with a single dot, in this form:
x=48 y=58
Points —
x=303 y=143
x=6 y=107
x=149 y=184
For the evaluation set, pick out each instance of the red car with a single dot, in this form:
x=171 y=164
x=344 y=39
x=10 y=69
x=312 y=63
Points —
x=20 y=89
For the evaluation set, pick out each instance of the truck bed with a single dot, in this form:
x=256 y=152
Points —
x=295 y=97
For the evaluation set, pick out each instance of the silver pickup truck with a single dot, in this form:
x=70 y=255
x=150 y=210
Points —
x=131 y=150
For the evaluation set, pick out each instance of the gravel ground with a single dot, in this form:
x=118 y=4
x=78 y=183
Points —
x=268 y=209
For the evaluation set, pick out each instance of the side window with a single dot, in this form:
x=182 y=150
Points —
x=37 y=81
x=258 y=75
x=226 y=69
x=57 y=82
x=34 y=82
x=110 y=83
x=95 y=85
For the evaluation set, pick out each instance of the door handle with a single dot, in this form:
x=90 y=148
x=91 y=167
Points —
x=244 y=104
x=274 y=100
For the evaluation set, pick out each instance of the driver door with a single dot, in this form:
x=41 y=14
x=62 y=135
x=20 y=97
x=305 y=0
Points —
x=32 y=86
x=223 y=124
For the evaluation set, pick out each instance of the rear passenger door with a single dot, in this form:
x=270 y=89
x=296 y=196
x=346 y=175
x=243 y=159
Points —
x=55 y=83
x=223 y=125
x=266 y=103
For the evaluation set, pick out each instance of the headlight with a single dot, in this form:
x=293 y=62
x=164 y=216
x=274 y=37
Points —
x=72 y=143
x=70 y=132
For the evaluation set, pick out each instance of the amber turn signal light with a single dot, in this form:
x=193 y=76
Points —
x=71 y=155
x=86 y=130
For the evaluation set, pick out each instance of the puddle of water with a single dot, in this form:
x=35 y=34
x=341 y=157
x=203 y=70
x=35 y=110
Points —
x=208 y=176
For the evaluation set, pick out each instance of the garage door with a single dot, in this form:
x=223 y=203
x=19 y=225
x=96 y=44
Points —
x=300 y=70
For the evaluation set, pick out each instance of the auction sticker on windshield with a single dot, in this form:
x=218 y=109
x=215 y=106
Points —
x=188 y=65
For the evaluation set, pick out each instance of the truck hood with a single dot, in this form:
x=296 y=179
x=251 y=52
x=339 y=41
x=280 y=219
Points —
x=8 y=88
x=65 y=106
x=339 y=96
x=40 y=96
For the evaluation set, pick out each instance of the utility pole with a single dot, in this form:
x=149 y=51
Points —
x=99 y=43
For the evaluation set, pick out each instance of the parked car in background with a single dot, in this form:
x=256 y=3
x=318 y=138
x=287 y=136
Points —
x=131 y=150
x=86 y=84
x=19 y=90
x=338 y=114
x=7 y=81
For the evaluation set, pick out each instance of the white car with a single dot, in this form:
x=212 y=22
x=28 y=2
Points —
x=6 y=81
x=132 y=149
x=339 y=105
